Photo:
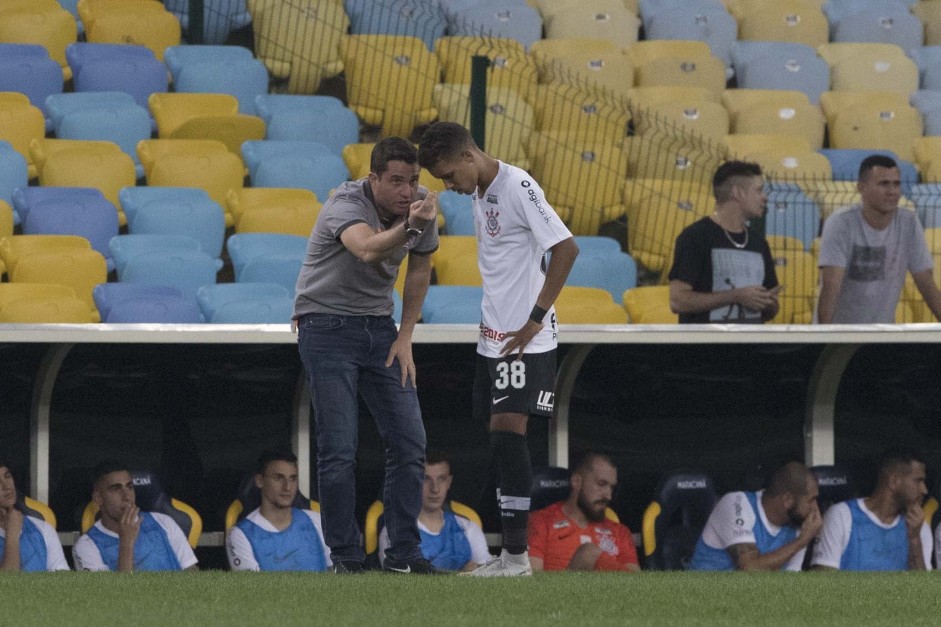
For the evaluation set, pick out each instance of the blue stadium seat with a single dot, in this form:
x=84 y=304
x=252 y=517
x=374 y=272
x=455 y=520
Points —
x=186 y=270
x=117 y=67
x=675 y=518
x=269 y=105
x=508 y=19
x=106 y=295
x=928 y=59
x=246 y=303
x=198 y=217
x=615 y=272
x=460 y=223
x=220 y=18
x=701 y=22
x=280 y=268
x=845 y=165
x=178 y=57
x=13 y=174
x=597 y=245
x=777 y=65
x=30 y=73
x=134 y=198
x=60 y=105
x=69 y=211
x=334 y=127
x=125 y=247
x=454 y=205
x=452 y=304
x=648 y=9
x=122 y=125
x=166 y=309
x=243 y=78
x=926 y=100
x=423 y=19
x=790 y=212
x=886 y=24
x=243 y=247
x=287 y=163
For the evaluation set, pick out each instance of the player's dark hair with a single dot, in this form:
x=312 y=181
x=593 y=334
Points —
x=875 y=161
x=790 y=478
x=437 y=456
x=443 y=140
x=584 y=461
x=897 y=459
x=729 y=170
x=391 y=149
x=268 y=457
x=106 y=467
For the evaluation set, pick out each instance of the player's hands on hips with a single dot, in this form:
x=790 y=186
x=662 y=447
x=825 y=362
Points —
x=518 y=340
x=422 y=212
x=402 y=350
x=914 y=519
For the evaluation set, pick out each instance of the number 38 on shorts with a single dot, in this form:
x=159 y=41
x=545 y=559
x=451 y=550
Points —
x=511 y=385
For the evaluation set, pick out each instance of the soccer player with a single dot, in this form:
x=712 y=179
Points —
x=27 y=544
x=449 y=541
x=765 y=530
x=277 y=535
x=574 y=534
x=126 y=539
x=349 y=346
x=887 y=529
x=723 y=271
x=516 y=361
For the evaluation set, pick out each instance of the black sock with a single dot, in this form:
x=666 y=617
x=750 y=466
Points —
x=511 y=455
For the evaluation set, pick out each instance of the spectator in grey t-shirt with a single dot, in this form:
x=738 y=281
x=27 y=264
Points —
x=350 y=347
x=866 y=250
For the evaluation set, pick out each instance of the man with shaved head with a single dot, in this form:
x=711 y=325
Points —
x=765 y=530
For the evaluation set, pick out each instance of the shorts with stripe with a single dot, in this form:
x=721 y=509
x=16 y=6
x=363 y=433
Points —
x=508 y=385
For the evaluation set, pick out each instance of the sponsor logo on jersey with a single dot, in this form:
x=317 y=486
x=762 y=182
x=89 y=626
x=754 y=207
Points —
x=524 y=183
x=562 y=524
x=493 y=225
x=491 y=334
x=492 y=199
x=691 y=485
x=545 y=401
x=534 y=198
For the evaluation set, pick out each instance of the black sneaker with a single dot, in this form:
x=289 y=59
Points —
x=418 y=566
x=347 y=568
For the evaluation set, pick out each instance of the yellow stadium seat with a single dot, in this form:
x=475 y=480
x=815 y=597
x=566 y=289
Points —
x=780 y=244
x=90 y=10
x=510 y=66
x=560 y=107
x=648 y=50
x=273 y=210
x=929 y=12
x=797 y=21
x=587 y=305
x=545 y=52
x=739 y=99
x=910 y=294
x=231 y=130
x=653 y=223
x=6 y=225
x=172 y=110
x=455 y=261
x=594 y=19
x=41 y=149
x=798 y=119
x=833 y=195
x=927 y=150
x=35 y=23
x=46 y=310
x=797 y=273
x=692 y=196
x=641 y=97
x=20 y=124
x=390 y=80
x=509 y=119
x=584 y=184
x=837 y=52
x=80 y=269
x=833 y=102
x=216 y=173
x=548 y=8
x=14 y=248
x=108 y=172
x=149 y=150
x=698 y=123
x=708 y=72
x=649 y=304
x=661 y=156
x=742 y=146
x=873 y=127
x=299 y=41
x=805 y=168
x=134 y=24
x=15 y=291
x=875 y=72
x=608 y=75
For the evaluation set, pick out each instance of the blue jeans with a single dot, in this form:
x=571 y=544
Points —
x=343 y=356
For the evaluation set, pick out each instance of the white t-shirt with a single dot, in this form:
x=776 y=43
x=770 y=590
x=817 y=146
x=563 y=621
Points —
x=480 y=553
x=88 y=557
x=732 y=521
x=55 y=557
x=515 y=227
x=239 y=549
x=835 y=536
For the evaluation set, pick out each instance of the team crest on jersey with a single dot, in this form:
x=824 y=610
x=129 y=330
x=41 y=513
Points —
x=608 y=545
x=493 y=226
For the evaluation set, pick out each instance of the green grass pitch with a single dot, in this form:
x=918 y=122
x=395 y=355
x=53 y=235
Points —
x=223 y=598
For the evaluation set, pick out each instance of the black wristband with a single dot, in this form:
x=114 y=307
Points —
x=538 y=314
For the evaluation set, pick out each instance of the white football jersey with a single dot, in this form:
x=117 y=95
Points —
x=515 y=227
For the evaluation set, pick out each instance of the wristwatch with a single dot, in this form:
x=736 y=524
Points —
x=411 y=231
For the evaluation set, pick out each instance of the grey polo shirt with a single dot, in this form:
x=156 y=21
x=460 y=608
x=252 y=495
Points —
x=332 y=279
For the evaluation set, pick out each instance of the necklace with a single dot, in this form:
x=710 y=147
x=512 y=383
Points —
x=732 y=241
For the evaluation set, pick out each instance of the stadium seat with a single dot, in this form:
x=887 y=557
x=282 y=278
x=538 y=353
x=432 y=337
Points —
x=60 y=105
x=509 y=119
x=244 y=247
x=835 y=485
x=834 y=102
x=140 y=22
x=797 y=272
x=929 y=76
x=558 y=107
x=106 y=295
x=800 y=119
x=150 y=497
x=46 y=310
x=13 y=174
x=165 y=309
x=455 y=261
x=149 y=150
x=122 y=125
x=795 y=21
x=374 y=522
x=204 y=116
x=609 y=20
x=196 y=216
x=781 y=66
x=697 y=123
x=708 y=72
x=299 y=42
x=389 y=81
x=510 y=66
x=874 y=72
x=35 y=75
x=220 y=18
x=332 y=126
x=133 y=198
x=807 y=168
x=69 y=211
x=649 y=304
x=243 y=78
x=780 y=244
x=452 y=304
x=291 y=211
x=107 y=172
x=10 y=292
x=15 y=247
x=845 y=165
x=186 y=270
x=30 y=23
x=654 y=221
x=80 y=269
x=422 y=19
x=20 y=124
x=130 y=69
x=216 y=173
x=508 y=20
x=41 y=149
x=248 y=499
x=615 y=272
x=597 y=245
x=6 y=226
x=873 y=127
x=291 y=163
x=692 y=21
x=547 y=52
x=178 y=57
x=125 y=247
x=675 y=519
x=588 y=305
x=888 y=23
x=791 y=213
x=453 y=206
x=608 y=75
x=245 y=303
x=741 y=146
x=930 y=15
x=279 y=268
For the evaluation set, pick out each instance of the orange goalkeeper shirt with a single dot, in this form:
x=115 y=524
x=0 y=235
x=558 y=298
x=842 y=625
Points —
x=554 y=537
